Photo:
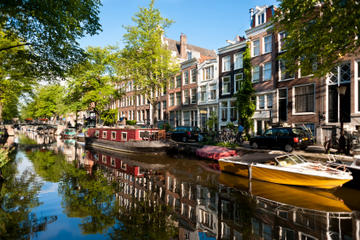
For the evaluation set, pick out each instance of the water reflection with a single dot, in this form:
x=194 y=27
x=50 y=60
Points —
x=126 y=196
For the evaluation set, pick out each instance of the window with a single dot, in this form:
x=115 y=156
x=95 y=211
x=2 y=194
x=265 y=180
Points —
x=178 y=98
x=187 y=118
x=178 y=81
x=172 y=83
x=226 y=85
x=226 y=64
x=186 y=77
x=171 y=100
x=255 y=74
x=238 y=79
x=224 y=111
x=193 y=75
x=261 y=102
x=358 y=82
x=267 y=44
x=203 y=93
x=103 y=159
x=208 y=73
x=186 y=96
x=193 y=96
x=233 y=111
x=124 y=136
x=304 y=99
x=256 y=48
x=284 y=74
x=97 y=133
x=267 y=71
x=113 y=135
x=282 y=37
x=260 y=18
x=238 y=61
x=104 y=134
x=189 y=55
x=269 y=99
x=212 y=92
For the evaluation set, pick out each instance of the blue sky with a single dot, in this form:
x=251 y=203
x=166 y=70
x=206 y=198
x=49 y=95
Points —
x=207 y=23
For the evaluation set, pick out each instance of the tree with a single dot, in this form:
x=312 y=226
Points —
x=319 y=33
x=49 y=29
x=145 y=59
x=91 y=83
x=245 y=95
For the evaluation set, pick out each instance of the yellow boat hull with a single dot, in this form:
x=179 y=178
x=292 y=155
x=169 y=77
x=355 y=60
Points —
x=281 y=177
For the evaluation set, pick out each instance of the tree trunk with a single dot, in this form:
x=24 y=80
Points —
x=1 y=109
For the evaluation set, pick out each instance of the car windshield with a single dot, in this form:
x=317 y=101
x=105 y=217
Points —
x=288 y=160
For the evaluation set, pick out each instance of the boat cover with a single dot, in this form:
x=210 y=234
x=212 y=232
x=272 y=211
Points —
x=214 y=152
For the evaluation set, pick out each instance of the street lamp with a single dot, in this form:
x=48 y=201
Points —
x=342 y=142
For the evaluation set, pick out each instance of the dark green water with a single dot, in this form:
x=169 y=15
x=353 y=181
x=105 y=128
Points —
x=59 y=190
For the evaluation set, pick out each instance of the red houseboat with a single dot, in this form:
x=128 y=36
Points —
x=128 y=140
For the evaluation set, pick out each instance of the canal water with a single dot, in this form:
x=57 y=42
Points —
x=57 y=189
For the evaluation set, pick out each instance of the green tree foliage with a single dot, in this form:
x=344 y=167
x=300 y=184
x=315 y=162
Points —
x=145 y=58
x=91 y=83
x=48 y=102
x=319 y=33
x=245 y=95
x=49 y=29
x=109 y=117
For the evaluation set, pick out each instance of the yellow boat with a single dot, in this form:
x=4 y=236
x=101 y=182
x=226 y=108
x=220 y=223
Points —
x=286 y=169
x=307 y=198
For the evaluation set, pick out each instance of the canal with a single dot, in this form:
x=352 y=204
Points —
x=57 y=189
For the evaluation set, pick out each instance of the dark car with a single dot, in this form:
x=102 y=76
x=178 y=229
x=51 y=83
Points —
x=184 y=133
x=284 y=138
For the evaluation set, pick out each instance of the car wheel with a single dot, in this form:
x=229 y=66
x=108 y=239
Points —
x=254 y=145
x=288 y=148
x=184 y=139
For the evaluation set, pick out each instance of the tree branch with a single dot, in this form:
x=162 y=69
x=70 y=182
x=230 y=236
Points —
x=15 y=46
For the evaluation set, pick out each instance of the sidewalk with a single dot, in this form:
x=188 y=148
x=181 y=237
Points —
x=312 y=152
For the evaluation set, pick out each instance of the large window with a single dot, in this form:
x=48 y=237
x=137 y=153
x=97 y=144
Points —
x=202 y=93
x=186 y=77
x=256 y=48
x=256 y=74
x=226 y=63
x=267 y=71
x=224 y=111
x=212 y=92
x=178 y=98
x=283 y=104
x=267 y=44
x=186 y=96
x=282 y=37
x=284 y=74
x=261 y=102
x=269 y=99
x=178 y=81
x=238 y=61
x=193 y=75
x=304 y=99
x=233 y=111
x=226 y=85
x=208 y=73
x=193 y=96
x=238 y=79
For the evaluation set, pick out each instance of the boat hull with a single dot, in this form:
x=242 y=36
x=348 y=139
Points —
x=281 y=177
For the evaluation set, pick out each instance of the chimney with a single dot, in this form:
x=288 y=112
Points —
x=183 y=47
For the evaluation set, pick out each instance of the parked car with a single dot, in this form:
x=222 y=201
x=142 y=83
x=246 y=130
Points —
x=184 y=134
x=284 y=138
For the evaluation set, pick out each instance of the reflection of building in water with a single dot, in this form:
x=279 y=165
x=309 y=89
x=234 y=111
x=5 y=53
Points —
x=273 y=220
x=223 y=212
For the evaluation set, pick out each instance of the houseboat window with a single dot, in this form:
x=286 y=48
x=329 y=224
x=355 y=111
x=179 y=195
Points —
x=96 y=157
x=113 y=135
x=104 y=134
x=97 y=133
x=123 y=165
x=124 y=136
x=103 y=158
x=112 y=162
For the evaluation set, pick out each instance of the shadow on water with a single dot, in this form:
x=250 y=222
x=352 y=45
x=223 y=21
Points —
x=133 y=196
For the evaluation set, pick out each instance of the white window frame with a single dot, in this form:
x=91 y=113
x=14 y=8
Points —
x=104 y=134
x=258 y=15
x=241 y=62
x=191 y=95
x=267 y=101
x=201 y=93
x=211 y=73
x=279 y=41
x=188 y=77
x=223 y=63
x=286 y=79
x=122 y=136
x=103 y=159
x=192 y=75
x=184 y=96
x=222 y=87
x=212 y=87
x=113 y=132
x=97 y=134
x=264 y=70
x=258 y=102
x=235 y=81
x=264 y=43
x=293 y=100
x=252 y=74
x=253 y=48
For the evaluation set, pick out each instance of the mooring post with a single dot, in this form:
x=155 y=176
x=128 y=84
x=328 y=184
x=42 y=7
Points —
x=250 y=177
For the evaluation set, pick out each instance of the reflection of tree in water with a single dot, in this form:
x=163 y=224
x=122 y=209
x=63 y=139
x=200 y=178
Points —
x=147 y=219
x=88 y=197
x=18 y=195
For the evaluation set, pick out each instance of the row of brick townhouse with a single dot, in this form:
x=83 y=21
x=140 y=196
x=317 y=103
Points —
x=208 y=82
